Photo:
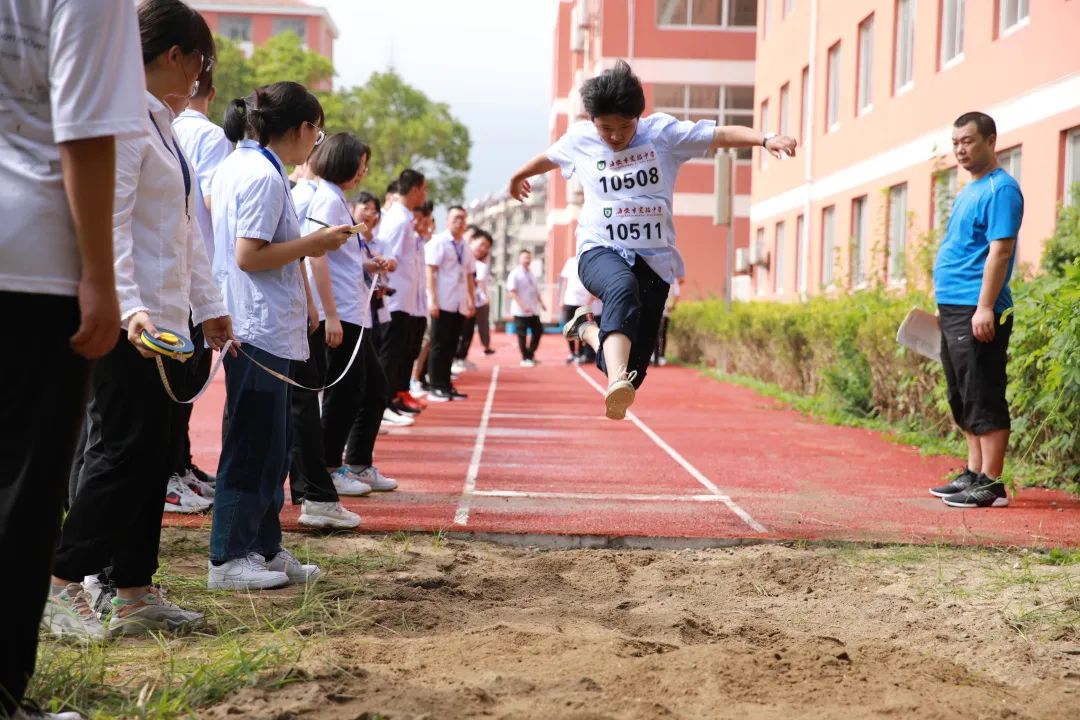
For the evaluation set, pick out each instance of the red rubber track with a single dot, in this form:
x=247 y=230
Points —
x=551 y=464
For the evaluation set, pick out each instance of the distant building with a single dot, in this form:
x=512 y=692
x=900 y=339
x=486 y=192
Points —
x=514 y=227
x=252 y=22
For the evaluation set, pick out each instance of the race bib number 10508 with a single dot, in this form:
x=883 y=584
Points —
x=629 y=173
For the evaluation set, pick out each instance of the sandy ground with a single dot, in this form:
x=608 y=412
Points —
x=472 y=630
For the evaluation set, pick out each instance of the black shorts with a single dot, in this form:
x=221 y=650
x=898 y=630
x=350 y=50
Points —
x=974 y=370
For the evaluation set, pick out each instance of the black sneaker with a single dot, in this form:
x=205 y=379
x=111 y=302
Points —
x=402 y=409
x=987 y=493
x=960 y=483
x=202 y=474
x=572 y=328
x=489 y=351
x=440 y=395
x=454 y=393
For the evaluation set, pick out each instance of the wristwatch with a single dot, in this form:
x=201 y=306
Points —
x=767 y=137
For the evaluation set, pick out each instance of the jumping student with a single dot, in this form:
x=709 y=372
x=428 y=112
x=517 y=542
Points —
x=162 y=278
x=352 y=410
x=626 y=246
x=451 y=270
x=56 y=256
x=525 y=305
x=257 y=252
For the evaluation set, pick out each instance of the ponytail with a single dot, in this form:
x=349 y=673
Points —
x=271 y=111
x=236 y=120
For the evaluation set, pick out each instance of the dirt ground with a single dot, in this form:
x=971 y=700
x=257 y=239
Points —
x=472 y=630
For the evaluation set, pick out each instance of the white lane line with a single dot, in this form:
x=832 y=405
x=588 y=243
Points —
x=461 y=517
x=694 y=472
x=598 y=496
x=538 y=416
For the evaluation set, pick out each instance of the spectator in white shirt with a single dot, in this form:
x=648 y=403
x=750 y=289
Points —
x=574 y=294
x=525 y=306
x=162 y=278
x=451 y=288
x=480 y=246
x=304 y=184
x=661 y=339
x=56 y=262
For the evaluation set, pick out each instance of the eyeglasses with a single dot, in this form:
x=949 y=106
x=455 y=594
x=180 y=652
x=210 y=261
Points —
x=207 y=63
x=321 y=136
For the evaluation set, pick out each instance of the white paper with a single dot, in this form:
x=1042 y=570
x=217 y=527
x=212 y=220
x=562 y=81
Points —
x=921 y=332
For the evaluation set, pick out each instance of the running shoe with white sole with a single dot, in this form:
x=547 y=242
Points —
x=394 y=419
x=458 y=367
x=69 y=614
x=572 y=329
x=986 y=493
x=347 y=483
x=246 y=573
x=180 y=499
x=203 y=489
x=527 y=363
x=620 y=395
x=296 y=571
x=150 y=613
x=378 y=482
x=959 y=484
x=28 y=712
x=327 y=516
x=417 y=389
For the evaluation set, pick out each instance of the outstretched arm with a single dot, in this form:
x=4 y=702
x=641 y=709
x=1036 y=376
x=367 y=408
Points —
x=519 y=183
x=737 y=136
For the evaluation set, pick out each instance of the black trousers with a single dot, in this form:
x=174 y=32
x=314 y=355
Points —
x=116 y=517
x=396 y=352
x=468 y=327
x=445 y=333
x=416 y=348
x=567 y=313
x=42 y=398
x=976 y=376
x=661 y=339
x=352 y=410
x=308 y=479
x=523 y=324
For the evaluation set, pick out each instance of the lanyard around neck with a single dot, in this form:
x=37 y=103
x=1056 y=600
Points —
x=184 y=169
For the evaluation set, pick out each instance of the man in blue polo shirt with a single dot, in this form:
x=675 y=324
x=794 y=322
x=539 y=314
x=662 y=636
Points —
x=971 y=282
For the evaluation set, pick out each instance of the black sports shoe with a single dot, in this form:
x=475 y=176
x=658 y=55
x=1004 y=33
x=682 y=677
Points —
x=489 y=351
x=402 y=409
x=441 y=395
x=986 y=493
x=454 y=393
x=202 y=474
x=960 y=483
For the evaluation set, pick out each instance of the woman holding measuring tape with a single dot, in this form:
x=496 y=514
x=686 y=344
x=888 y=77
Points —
x=162 y=275
x=257 y=252
x=626 y=250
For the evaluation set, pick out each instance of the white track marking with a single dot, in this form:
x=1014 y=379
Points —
x=694 y=472
x=599 y=496
x=538 y=416
x=461 y=517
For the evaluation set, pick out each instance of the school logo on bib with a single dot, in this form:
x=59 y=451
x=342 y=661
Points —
x=607 y=212
x=601 y=164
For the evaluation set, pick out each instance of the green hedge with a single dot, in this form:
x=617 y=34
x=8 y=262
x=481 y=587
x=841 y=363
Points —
x=842 y=351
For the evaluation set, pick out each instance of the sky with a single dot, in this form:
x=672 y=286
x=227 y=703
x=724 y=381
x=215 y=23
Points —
x=489 y=60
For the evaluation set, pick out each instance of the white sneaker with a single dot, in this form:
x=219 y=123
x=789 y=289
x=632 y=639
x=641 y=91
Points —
x=416 y=389
x=394 y=419
x=661 y=362
x=284 y=562
x=620 y=395
x=24 y=714
x=457 y=367
x=180 y=499
x=202 y=489
x=528 y=363
x=69 y=613
x=327 y=515
x=376 y=480
x=347 y=483
x=246 y=573
x=151 y=613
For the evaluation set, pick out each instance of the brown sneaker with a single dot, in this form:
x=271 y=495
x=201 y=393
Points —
x=620 y=395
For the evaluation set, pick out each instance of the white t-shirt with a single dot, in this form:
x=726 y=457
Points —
x=68 y=71
x=628 y=194
x=397 y=234
x=525 y=284
x=575 y=293
x=346 y=264
x=453 y=262
x=483 y=272
x=302 y=193
x=206 y=146
x=673 y=292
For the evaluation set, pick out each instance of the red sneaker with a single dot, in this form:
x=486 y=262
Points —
x=412 y=402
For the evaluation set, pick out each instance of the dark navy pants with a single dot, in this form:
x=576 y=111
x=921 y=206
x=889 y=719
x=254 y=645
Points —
x=633 y=298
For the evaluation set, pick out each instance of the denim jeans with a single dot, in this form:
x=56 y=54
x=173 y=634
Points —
x=255 y=456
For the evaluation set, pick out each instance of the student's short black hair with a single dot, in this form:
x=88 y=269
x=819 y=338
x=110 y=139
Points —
x=165 y=23
x=392 y=188
x=983 y=123
x=482 y=234
x=426 y=209
x=365 y=197
x=523 y=251
x=409 y=179
x=616 y=91
x=271 y=111
x=472 y=228
x=337 y=159
x=452 y=208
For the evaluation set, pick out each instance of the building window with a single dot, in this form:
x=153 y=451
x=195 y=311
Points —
x=800 y=255
x=763 y=158
x=1009 y=160
x=859 y=229
x=766 y=19
x=296 y=25
x=789 y=5
x=778 y=263
x=828 y=244
x=706 y=13
x=727 y=105
x=785 y=103
x=904 y=58
x=944 y=194
x=897 y=231
x=952 y=30
x=1011 y=13
x=758 y=269
x=1072 y=164
x=866 y=64
x=804 y=106
x=235 y=27
x=832 y=119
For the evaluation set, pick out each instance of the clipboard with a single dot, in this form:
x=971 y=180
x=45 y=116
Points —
x=921 y=332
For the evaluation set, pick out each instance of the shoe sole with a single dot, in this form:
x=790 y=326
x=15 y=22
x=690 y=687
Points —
x=231 y=585
x=67 y=635
x=181 y=510
x=322 y=523
x=570 y=328
x=350 y=493
x=998 y=502
x=618 y=398
x=137 y=627
x=388 y=489
x=939 y=494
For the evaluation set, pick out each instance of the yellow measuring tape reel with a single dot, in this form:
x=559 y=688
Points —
x=169 y=343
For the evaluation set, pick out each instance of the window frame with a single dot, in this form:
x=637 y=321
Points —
x=779 y=241
x=295 y=21
x=1014 y=156
x=1072 y=164
x=725 y=11
x=896 y=270
x=722 y=114
x=222 y=19
x=949 y=181
x=805 y=107
x=899 y=66
x=801 y=255
x=783 y=110
x=958 y=17
x=828 y=245
x=864 y=75
x=860 y=211
x=763 y=157
x=1023 y=16
x=832 y=88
